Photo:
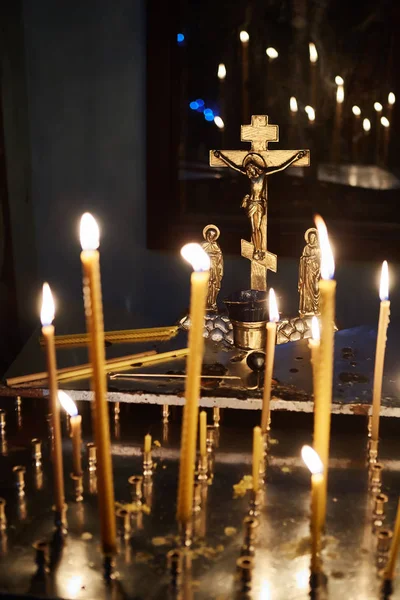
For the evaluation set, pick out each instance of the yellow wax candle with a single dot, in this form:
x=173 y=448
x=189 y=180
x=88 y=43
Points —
x=313 y=344
x=257 y=452
x=90 y=259
x=244 y=38
x=200 y=261
x=47 y=316
x=147 y=443
x=269 y=360
x=75 y=423
x=203 y=433
x=394 y=548
x=324 y=372
x=384 y=314
x=314 y=463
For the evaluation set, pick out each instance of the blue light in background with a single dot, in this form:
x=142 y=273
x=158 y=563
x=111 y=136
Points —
x=208 y=114
x=180 y=38
x=194 y=105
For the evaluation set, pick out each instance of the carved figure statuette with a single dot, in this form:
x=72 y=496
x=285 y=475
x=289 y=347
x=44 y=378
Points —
x=309 y=275
x=211 y=234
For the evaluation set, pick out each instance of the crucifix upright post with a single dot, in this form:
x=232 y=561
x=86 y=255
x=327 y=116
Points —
x=257 y=164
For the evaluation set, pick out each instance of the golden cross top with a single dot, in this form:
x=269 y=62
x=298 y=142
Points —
x=259 y=133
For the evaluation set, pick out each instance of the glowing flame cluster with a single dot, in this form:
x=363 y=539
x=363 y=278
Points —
x=196 y=256
x=327 y=261
x=293 y=104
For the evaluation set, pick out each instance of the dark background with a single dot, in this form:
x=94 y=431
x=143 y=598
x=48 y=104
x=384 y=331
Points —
x=77 y=88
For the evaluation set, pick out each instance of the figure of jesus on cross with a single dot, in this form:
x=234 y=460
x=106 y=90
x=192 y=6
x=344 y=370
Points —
x=257 y=165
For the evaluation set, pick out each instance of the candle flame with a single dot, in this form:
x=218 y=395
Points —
x=219 y=122
x=339 y=80
x=272 y=53
x=391 y=98
x=312 y=460
x=385 y=122
x=311 y=113
x=273 y=307
x=67 y=403
x=221 y=71
x=356 y=110
x=48 y=310
x=89 y=232
x=384 y=285
x=315 y=332
x=244 y=37
x=196 y=256
x=327 y=261
x=367 y=125
x=313 y=52
x=340 y=94
x=378 y=106
x=293 y=104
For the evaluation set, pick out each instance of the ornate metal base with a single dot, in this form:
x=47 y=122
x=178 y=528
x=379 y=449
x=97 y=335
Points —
x=217 y=327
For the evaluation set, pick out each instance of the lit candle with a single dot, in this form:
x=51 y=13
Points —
x=272 y=55
x=324 y=374
x=338 y=119
x=221 y=74
x=391 y=102
x=313 y=344
x=200 y=261
x=244 y=38
x=339 y=80
x=293 y=106
x=378 y=109
x=314 y=463
x=384 y=313
x=356 y=110
x=313 y=72
x=147 y=443
x=203 y=433
x=394 y=548
x=75 y=423
x=269 y=361
x=367 y=129
x=90 y=259
x=257 y=451
x=47 y=317
x=386 y=136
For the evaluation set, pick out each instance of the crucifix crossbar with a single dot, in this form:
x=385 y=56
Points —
x=257 y=164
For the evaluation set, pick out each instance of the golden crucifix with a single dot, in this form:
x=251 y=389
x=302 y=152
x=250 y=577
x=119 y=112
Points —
x=257 y=165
